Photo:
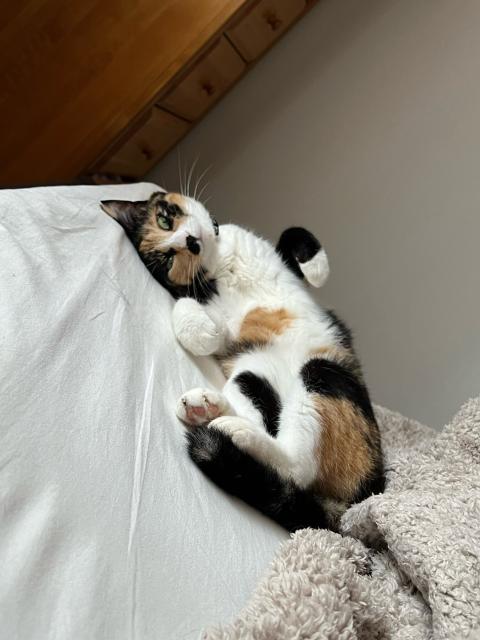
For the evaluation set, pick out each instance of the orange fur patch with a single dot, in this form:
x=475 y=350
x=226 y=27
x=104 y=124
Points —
x=226 y=364
x=343 y=453
x=260 y=325
x=185 y=267
x=258 y=328
x=176 y=198
x=333 y=353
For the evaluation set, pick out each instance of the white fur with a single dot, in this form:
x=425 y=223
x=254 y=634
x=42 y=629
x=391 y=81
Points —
x=249 y=273
x=316 y=270
x=201 y=406
x=195 y=329
x=255 y=441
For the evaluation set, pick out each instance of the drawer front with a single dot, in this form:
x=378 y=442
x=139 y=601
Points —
x=206 y=82
x=152 y=139
x=263 y=24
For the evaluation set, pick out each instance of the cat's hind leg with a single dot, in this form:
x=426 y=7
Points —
x=247 y=411
x=280 y=432
x=246 y=435
x=250 y=464
x=200 y=406
x=253 y=425
x=240 y=455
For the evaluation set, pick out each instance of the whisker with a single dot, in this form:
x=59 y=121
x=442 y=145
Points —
x=180 y=171
x=203 y=282
x=202 y=190
x=198 y=285
x=190 y=173
x=193 y=282
x=202 y=175
x=199 y=281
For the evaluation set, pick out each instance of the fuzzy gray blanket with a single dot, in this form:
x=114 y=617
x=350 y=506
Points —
x=409 y=567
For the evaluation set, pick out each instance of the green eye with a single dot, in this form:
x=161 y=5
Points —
x=164 y=223
x=170 y=262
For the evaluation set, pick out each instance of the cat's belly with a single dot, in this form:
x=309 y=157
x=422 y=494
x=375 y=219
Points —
x=281 y=361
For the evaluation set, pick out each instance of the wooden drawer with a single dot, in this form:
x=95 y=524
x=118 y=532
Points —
x=154 y=137
x=263 y=24
x=205 y=83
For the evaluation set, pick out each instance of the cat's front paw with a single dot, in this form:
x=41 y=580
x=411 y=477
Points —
x=201 y=406
x=195 y=330
x=239 y=430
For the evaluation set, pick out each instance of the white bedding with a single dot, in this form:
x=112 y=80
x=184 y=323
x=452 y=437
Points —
x=107 y=530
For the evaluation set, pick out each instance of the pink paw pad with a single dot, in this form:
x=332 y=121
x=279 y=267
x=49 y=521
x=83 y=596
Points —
x=198 y=408
x=194 y=413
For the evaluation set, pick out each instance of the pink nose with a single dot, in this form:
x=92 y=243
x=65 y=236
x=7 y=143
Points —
x=199 y=411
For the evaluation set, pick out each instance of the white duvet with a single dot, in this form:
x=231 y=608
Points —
x=107 y=530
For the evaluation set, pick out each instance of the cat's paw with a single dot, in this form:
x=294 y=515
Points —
x=194 y=329
x=201 y=406
x=239 y=430
x=201 y=339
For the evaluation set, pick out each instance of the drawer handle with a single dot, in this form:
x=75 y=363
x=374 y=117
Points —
x=147 y=153
x=273 y=22
x=208 y=88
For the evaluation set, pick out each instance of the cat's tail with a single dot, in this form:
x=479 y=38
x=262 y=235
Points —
x=304 y=255
x=260 y=486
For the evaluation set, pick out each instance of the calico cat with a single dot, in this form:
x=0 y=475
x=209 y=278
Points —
x=293 y=433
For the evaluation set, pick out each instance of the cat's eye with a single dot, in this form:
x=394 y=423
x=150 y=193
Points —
x=164 y=223
x=215 y=225
x=170 y=262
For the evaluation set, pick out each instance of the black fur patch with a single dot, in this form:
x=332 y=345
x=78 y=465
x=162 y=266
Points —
x=376 y=483
x=256 y=484
x=200 y=288
x=331 y=379
x=264 y=398
x=130 y=215
x=238 y=347
x=344 y=333
x=297 y=245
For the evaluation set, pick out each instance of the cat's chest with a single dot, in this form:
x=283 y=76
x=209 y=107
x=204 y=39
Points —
x=240 y=275
x=242 y=286
x=247 y=265
x=250 y=276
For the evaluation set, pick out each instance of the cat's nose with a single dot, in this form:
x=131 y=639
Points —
x=193 y=245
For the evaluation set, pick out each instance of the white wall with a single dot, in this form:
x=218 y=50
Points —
x=363 y=124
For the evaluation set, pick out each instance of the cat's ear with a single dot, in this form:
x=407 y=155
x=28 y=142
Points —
x=128 y=214
x=304 y=255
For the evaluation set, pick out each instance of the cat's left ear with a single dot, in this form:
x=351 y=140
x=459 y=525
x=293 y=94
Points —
x=128 y=214
x=304 y=255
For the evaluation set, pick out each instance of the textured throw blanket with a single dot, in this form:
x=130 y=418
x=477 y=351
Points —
x=409 y=567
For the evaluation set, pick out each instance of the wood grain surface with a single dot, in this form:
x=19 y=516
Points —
x=74 y=75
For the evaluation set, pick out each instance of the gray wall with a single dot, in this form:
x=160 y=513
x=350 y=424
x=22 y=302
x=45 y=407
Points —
x=363 y=124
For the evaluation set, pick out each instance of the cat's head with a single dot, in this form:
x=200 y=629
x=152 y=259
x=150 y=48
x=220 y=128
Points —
x=175 y=237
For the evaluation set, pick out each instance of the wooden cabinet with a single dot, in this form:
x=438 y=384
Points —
x=103 y=85
x=263 y=24
x=206 y=82
x=143 y=147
